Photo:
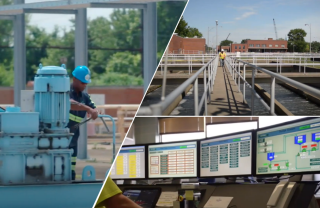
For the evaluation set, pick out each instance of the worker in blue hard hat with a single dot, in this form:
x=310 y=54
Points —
x=81 y=104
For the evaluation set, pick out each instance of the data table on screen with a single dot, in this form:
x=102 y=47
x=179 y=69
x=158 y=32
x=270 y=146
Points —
x=173 y=160
x=130 y=163
x=226 y=156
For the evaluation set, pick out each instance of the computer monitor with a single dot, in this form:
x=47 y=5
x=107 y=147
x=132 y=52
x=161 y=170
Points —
x=130 y=163
x=288 y=148
x=227 y=155
x=172 y=160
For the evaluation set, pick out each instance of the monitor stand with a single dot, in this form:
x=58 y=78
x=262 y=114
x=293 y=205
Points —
x=127 y=182
x=176 y=181
x=295 y=178
x=231 y=179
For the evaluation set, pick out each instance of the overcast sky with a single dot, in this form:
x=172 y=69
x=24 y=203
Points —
x=253 y=19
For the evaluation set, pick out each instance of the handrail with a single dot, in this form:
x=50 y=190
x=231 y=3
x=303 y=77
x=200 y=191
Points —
x=230 y=68
x=113 y=133
x=159 y=108
x=313 y=91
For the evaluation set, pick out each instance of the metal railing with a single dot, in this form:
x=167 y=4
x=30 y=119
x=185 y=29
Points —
x=234 y=67
x=190 y=60
x=209 y=70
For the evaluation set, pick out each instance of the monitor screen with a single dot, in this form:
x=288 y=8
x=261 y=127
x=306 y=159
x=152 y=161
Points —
x=145 y=198
x=173 y=160
x=130 y=163
x=226 y=156
x=289 y=148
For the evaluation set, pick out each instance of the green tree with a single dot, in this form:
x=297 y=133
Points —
x=194 y=32
x=181 y=29
x=184 y=30
x=226 y=43
x=168 y=14
x=244 y=41
x=296 y=38
x=6 y=75
x=124 y=63
x=315 y=46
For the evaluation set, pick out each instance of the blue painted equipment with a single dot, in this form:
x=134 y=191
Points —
x=82 y=73
x=34 y=145
x=35 y=159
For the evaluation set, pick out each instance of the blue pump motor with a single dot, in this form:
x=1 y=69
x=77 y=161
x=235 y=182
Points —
x=51 y=87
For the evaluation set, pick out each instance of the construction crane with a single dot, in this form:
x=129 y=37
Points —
x=275 y=29
x=228 y=36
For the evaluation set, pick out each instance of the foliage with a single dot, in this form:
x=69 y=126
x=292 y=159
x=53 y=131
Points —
x=315 y=46
x=125 y=63
x=116 y=79
x=168 y=14
x=6 y=75
x=114 y=43
x=296 y=38
x=184 y=30
x=244 y=41
x=226 y=43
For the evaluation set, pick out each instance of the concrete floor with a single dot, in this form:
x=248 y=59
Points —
x=100 y=157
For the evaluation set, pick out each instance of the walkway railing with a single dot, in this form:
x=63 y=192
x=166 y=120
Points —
x=236 y=75
x=209 y=70
x=235 y=71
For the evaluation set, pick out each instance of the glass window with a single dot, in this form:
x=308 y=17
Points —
x=251 y=45
x=244 y=47
x=258 y=45
x=270 y=45
x=282 y=46
x=276 y=45
x=263 y=45
x=235 y=47
x=267 y=121
x=220 y=129
x=182 y=137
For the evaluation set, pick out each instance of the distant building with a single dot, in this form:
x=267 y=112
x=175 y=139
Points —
x=180 y=45
x=261 y=46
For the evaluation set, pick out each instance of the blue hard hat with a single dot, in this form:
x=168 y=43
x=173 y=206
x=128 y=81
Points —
x=82 y=73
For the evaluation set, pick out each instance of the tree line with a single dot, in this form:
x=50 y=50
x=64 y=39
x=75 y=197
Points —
x=115 y=45
x=296 y=39
x=296 y=42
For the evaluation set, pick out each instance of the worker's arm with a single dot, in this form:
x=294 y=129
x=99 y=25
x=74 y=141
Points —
x=119 y=201
x=76 y=106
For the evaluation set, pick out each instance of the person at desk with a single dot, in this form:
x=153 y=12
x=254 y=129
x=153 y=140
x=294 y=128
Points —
x=111 y=197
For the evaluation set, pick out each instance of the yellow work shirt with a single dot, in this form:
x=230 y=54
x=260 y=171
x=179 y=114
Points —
x=109 y=190
x=222 y=55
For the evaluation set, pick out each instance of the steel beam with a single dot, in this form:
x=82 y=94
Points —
x=118 y=5
x=149 y=43
x=7 y=17
x=81 y=58
x=69 y=4
x=19 y=55
x=50 y=11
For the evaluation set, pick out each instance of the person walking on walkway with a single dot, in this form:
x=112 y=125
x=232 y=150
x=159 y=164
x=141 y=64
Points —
x=222 y=56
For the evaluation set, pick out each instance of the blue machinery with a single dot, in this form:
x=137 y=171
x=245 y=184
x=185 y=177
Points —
x=35 y=162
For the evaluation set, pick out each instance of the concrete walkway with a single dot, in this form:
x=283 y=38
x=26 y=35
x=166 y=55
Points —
x=226 y=99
